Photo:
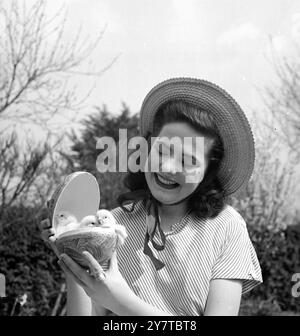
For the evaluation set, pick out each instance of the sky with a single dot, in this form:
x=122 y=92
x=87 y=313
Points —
x=227 y=42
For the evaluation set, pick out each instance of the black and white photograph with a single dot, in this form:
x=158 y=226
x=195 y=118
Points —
x=149 y=160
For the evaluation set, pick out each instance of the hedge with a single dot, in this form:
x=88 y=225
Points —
x=30 y=268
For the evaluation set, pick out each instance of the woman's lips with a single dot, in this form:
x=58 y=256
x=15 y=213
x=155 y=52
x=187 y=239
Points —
x=165 y=185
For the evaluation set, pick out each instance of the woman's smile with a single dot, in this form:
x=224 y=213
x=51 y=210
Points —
x=165 y=183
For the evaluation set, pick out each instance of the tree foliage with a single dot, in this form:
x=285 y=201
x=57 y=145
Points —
x=84 y=153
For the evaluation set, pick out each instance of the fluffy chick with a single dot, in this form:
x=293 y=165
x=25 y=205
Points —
x=106 y=220
x=88 y=221
x=65 y=221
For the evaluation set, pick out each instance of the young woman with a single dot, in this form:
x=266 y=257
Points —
x=188 y=252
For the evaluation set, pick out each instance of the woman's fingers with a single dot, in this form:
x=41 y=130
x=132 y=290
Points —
x=48 y=236
x=45 y=224
x=68 y=272
x=47 y=233
x=95 y=268
x=52 y=241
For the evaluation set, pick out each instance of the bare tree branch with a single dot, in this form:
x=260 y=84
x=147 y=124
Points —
x=39 y=63
x=282 y=100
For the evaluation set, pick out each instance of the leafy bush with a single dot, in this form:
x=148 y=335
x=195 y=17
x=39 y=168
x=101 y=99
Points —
x=279 y=256
x=29 y=266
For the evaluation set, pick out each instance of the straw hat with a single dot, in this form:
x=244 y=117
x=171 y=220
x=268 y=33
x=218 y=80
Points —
x=233 y=127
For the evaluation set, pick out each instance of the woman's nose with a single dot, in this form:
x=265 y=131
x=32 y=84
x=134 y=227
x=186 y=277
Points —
x=169 y=165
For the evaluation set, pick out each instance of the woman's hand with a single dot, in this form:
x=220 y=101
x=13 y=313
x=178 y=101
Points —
x=107 y=289
x=78 y=303
x=48 y=234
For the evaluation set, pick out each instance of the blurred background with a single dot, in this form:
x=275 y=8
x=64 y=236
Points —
x=72 y=71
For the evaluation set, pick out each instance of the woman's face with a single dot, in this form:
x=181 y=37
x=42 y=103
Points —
x=177 y=162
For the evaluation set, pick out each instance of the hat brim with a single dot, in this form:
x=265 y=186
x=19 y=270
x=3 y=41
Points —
x=233 y=127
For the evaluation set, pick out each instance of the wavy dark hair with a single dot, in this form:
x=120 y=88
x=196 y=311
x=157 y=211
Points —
x=208 y=199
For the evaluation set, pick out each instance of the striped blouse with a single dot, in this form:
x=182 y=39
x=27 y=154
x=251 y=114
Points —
x=196 y=252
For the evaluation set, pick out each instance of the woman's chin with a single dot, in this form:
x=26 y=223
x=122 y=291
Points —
x=165 y=197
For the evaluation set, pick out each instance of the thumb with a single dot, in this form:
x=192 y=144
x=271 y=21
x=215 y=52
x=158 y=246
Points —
x=113 y=263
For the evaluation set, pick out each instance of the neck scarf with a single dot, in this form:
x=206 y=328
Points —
x=153 y=223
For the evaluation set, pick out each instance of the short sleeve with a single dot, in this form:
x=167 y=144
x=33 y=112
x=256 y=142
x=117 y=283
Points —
x=237 y=258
